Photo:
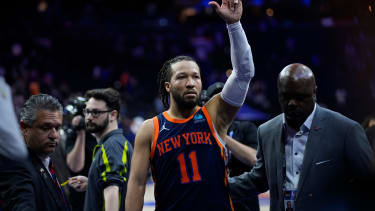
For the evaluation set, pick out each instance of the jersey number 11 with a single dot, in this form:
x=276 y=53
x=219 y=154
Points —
x=193 y=158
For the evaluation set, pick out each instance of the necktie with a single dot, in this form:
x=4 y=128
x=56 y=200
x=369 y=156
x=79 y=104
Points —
x=51 y=169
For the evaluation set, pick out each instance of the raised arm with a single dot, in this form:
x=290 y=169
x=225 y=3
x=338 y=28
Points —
x=235 y=89
x=139 y=168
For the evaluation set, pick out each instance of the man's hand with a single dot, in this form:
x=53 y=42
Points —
x=76 y=123
x=78 y=183
x=230 y=10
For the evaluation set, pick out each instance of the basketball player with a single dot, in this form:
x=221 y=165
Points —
x=184 y=144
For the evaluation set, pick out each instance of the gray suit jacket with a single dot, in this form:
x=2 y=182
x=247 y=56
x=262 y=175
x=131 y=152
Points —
x=338 y=162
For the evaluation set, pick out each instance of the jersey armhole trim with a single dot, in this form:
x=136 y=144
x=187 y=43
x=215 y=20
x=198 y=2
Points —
x=210 y=123
x=155 y=138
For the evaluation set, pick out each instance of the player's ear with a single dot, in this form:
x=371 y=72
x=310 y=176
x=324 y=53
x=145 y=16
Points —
x=167 y=86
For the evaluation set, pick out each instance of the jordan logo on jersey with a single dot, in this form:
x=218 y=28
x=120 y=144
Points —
x=163 y=128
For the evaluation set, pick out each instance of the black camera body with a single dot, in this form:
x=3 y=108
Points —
x=212 y=90
x=74 y=108
x=76 y=105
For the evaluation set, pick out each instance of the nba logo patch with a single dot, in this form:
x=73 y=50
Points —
x=198 y=118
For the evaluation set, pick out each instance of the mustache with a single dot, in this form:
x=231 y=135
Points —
x=190 y=92
x=90 y=123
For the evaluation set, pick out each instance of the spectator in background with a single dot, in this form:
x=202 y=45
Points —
x=109 y=172
x=368 y=122
x=369 y=126
x=244 y=132
x=132 y=130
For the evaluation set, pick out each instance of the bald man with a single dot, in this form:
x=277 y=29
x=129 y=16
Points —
x=309 y=157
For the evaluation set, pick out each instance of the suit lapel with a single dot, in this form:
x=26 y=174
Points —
x=48 y=182
x=312 y=146
x=280 y=154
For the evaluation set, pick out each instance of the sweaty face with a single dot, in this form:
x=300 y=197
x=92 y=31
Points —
x=297 y=99
x=186 y=85
x=97 y=117
x=43 y=136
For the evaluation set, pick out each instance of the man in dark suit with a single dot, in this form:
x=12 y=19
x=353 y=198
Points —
x=310 y=155
x=41 y=119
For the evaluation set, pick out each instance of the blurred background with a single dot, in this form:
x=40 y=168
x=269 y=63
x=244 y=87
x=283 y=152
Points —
x=64 y=47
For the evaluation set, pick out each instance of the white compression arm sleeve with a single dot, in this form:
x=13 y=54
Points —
x=236 y=86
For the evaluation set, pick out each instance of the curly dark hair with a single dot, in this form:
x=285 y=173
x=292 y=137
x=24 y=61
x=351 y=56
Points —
x=165 y=75
x=109 y=95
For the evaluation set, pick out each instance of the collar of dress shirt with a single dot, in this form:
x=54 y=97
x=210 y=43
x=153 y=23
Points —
x=45 y=162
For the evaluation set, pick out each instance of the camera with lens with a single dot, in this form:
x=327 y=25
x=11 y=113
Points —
x=74 y=108
x=212 y=90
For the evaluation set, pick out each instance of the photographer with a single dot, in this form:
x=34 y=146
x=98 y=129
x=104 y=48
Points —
x=79 y=147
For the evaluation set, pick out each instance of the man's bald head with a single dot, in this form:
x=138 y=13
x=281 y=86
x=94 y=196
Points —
x=297 y=72
x=297 y=93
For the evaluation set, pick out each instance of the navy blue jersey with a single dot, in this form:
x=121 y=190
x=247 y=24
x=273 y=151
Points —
x=188 y=164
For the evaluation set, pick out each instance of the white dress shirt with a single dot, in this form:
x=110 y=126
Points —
x=295 y=143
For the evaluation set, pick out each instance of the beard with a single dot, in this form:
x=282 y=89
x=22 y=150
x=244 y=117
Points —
x=182 y=103
x=97 y=128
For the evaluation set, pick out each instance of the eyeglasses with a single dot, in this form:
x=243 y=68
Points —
x=94 y=113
